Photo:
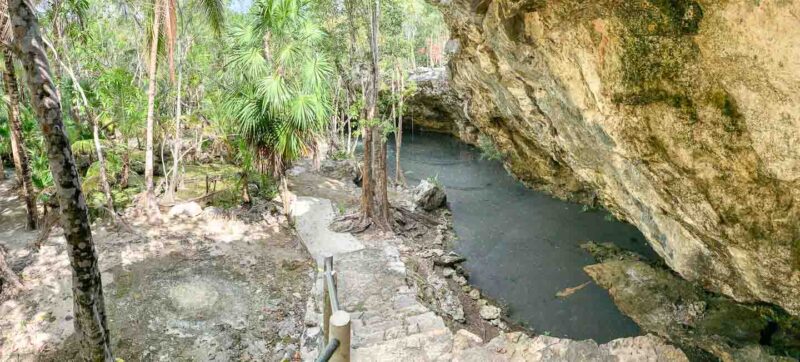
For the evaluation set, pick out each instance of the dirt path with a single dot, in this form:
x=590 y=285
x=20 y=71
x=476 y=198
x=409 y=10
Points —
x=222 y=285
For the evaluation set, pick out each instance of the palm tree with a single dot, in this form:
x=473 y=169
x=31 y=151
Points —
x=87 y=289
x=283 y=101
x=17 y=142
x=165 y=23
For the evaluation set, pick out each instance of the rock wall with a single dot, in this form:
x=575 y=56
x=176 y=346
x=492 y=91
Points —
x=682 y=117
x=435 y=107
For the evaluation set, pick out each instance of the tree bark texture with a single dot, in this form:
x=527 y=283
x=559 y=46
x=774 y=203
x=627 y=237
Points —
x=151 y=103
x=89 y=309
x=21 y=156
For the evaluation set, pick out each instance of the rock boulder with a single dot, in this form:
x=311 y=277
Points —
x=429 y=195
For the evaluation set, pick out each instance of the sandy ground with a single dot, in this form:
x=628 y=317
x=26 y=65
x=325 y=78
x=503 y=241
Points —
x=224 y=285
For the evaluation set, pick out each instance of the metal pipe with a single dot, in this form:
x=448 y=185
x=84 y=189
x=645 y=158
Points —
x=332 y=292
x=329 y=350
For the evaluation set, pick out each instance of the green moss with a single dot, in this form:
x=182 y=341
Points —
x=726 y=104
x=656 y=48
x=661 y=17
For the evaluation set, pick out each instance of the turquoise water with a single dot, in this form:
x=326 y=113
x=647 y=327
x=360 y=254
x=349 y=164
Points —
x=523 y=246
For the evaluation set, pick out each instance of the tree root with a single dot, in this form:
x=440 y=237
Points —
x=404 y=221
x=351 y=223
x=50 y=221
x=9 y=281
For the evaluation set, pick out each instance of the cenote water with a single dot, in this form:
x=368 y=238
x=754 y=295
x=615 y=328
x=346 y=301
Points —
x=523 y=246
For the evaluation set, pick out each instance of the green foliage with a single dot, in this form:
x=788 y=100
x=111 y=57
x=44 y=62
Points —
x=488 y=149
x=435 y=180
x=283 y=100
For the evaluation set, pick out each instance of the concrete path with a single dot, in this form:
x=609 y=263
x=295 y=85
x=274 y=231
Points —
x=388 y=322
x=312 y=216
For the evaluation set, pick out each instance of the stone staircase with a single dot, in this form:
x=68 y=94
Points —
x=390 y=324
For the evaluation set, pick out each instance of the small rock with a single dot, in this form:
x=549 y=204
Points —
x=448 y=272
x=475 y=294
x=482 y=302
x=190 y=209
x=502 y=326
x=489 y=312
x=213 y=212
x=460 y=280
x=466 y=288
x=430 y=253
x=449 y=259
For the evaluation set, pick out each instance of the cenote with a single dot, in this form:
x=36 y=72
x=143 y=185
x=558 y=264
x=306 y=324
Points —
x=523 y=246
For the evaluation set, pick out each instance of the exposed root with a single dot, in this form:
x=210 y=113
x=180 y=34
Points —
x=9 y=281
x=404 y=222
x=50 y=221
x=350 y=223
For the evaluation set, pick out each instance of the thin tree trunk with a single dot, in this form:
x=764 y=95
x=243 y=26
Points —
x=176 y=149
x=126 y=170
x=151 y=104
x=15 y=152
x=21 y=156
x=101 y=162
x=399 y=177
x=89 y=308
x=245 y=190
x=287 y=203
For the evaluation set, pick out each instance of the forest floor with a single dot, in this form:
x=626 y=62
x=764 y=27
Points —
x=224 y=285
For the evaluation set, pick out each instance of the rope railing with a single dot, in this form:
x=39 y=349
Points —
x=335 y=322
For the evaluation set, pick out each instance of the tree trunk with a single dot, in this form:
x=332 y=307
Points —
x=245 y=190
x=374 y=195
x=176 y=149
x=126 y=170
x=287 y=203
x=18 y=144
x=151 y=104
x=399 y=177
x=101 y=162
x=89 y=308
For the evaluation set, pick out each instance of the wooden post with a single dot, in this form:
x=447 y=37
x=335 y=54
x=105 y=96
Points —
x=206 y=184
x=327 y=311
x=340 y=329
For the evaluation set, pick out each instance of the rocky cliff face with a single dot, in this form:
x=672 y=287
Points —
x=682 y=117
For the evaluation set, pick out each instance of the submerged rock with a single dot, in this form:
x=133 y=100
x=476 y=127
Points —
x=663 y=303
x=669 y=113
x=429 y=195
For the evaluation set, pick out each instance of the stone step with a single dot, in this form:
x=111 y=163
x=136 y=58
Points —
x=434 y=345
